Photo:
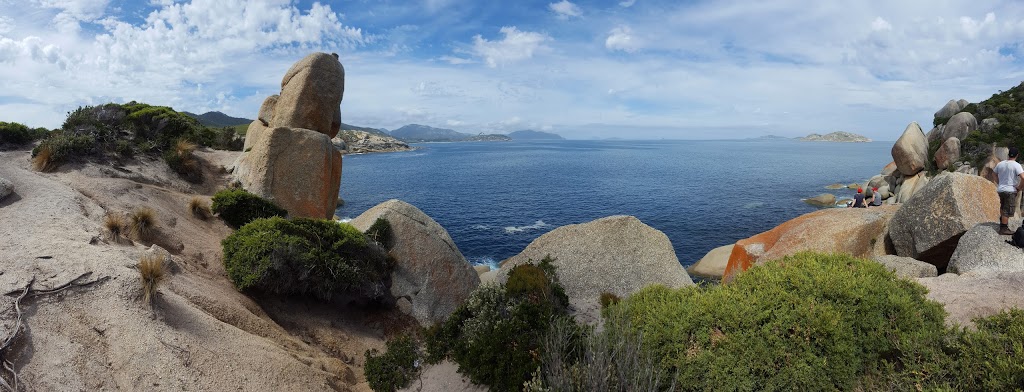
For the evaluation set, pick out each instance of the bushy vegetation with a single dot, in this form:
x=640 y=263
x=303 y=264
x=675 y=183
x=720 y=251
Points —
x=496 y=337
x=114 y=131
x=153 y=271
x=16 y=134
x=199 y=208
x=819 y=322
x=182 y=160
x=1008 y=108
x=395 y=368
x=380 y=232
x=304 y=256
x=238 y=207
x=142 y=223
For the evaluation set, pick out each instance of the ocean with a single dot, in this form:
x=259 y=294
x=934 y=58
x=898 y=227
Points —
x=494 y=198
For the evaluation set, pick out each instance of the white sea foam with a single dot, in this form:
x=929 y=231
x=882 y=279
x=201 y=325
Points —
x=481 y=227
x=753 y=204
x=485 y=260
x=536 y=225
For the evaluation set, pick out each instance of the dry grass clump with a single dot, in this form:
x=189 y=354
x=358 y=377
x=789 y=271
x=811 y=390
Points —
x=43 y=160
x=199 y=208
x=115 y=226
x=182 y=160
x=143 y=223
x=152 y=270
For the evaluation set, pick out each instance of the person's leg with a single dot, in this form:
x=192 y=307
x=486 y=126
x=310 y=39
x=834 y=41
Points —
x=1006 y=209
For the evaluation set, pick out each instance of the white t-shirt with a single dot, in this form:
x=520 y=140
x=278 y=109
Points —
x=1009 y=175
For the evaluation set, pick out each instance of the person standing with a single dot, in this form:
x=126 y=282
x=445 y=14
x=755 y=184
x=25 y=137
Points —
x=1010 y=175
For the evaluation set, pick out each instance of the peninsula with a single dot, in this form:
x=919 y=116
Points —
x=844 y=137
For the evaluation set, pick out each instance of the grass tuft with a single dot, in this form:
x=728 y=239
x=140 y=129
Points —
x=152 y=270
x=143 y=223
x=199 y=208
x=43 y=160
x=115 y=226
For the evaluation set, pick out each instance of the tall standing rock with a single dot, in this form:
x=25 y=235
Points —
x=311 y=93
x=288 y=156
x=928 y=226
x=431 y=278
x=948 y=153
x=960 y=126
x=911 y=150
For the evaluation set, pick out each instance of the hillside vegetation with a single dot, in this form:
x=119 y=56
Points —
x=1008 y=108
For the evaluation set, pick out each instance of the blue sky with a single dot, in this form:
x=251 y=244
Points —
x=584 y=69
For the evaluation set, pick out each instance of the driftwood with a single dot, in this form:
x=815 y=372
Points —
x=8 y=376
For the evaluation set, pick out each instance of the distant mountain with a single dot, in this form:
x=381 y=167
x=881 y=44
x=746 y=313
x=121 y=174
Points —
x=529 y=134
x=421 y=133
x=218 y=119
x=835 y=137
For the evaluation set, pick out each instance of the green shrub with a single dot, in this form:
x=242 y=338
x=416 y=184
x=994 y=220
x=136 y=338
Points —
x=380 y=231
x=181 y=158
x=238 y=207
x=395 y=368
x=496 y=336
x=992 y=357
x=15 y=133
x=805 y=322
x=58 y=148
x=303 y=256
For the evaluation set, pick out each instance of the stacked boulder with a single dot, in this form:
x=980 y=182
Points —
x=288 y=156
x=910 y=154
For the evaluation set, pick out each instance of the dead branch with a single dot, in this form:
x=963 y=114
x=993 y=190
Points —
x=25 y=292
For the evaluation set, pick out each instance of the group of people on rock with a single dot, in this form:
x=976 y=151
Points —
x=864 y=199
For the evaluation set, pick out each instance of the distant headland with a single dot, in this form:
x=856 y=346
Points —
x=844 y=137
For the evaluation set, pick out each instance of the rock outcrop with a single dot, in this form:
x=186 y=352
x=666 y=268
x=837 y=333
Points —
x=431 y=277
x=616 y=254
x=907 y=187
x=311 y=93
x=856 y=231
x=928 y=226
x=288 y=156
x=910 y=152
x=713 y=264
x=960 y=126
x=982 y=250
x=906 y=267
x=359 y=142
x=989 y=125
x=948 y=153
x=962 y=103
x=822 y=200
x=6 y=188
x=951 y=108
x=971 y=296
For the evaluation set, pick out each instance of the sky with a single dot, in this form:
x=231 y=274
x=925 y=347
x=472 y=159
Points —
x=633 y=69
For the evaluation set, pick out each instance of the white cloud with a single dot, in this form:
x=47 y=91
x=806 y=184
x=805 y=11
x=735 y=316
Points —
x=972 y=27
x=516 y=46
x=621 y=38
x=565 y=9
x=627 y=3
x=455 y=60
x=72 y=12
x=880 y=24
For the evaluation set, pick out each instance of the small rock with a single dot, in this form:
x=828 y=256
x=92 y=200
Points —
x=822 y=200
x=907 y=267
x=6 y=187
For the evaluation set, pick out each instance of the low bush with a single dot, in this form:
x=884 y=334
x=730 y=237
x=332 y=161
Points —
x=395 y=368
x=496 y=336
x=115 y=226
x=991 y=358
x=804 y=322
x=58 y=148
x=182 y=160
x=17 y=134
x=237 y=207
x=304 y=256
x=380 y=232
x=153 y=271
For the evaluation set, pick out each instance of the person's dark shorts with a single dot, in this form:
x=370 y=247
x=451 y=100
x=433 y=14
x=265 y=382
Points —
x=1007 y=203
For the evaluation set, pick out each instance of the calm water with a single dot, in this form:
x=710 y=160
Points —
x=494 y=198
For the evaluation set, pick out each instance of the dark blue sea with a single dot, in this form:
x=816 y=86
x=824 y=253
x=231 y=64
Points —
x=496 y=197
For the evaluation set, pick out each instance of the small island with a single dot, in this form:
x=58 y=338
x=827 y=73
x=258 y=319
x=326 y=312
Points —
x=843 y=137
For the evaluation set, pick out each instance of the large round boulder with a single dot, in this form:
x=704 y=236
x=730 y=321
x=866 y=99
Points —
x=909 y=186
x=888 y=169
x=951 y=108
x=296 y=168
x=911 y=150
x=6 y=187
x=906 y=267
x=616 y=254
x=935 y=135
x=928 y=226
x=948 y=153
x=713 y=264
x=960 y=126
x=982 y=250
x=822 y=200
x=856 y=231
x=962 y=103
x=431 y=278
x=311 y=93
